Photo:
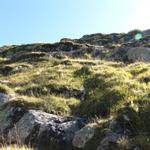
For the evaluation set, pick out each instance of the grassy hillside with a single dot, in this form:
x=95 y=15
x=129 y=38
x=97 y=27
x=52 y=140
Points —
x=70 y=86
x=80 y=86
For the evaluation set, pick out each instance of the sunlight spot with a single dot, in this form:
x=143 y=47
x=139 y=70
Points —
x=138 y=36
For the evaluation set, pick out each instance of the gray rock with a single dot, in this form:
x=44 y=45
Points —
x=39 y=128
x=4 y=98
x=83 y=136
x=136 y=148
x=138 y=54
x=112 y=136
x=109 y=139
x=8 y=117
x=114 y=126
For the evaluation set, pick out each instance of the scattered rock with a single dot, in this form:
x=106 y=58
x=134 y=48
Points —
x=83 y=136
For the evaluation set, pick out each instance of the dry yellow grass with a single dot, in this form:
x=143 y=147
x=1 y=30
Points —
x=15 y=147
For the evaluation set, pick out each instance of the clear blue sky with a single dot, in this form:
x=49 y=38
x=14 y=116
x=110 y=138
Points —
x=27 y=21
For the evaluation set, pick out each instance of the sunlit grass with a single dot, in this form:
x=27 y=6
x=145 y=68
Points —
x=15 y=147
x=43 y=84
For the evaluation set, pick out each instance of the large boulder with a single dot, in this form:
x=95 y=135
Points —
x=36 y=128
x=45 y=131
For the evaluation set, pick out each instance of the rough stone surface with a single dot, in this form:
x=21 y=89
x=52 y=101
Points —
x=114 y=133
x=35 y=126
x=109 y=139
x=83 y=136
x=138 y=53
x=8 y=117
x=4 y=98
x=100 y=46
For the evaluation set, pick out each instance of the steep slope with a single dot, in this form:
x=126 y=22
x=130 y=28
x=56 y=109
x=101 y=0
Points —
x=91 y=93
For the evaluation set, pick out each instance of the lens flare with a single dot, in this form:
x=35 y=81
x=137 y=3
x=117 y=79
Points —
x=138 y=36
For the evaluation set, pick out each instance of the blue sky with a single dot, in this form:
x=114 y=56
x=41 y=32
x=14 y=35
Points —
x=30 y=21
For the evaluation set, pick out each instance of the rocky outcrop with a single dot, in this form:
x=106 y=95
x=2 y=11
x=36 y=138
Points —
x=45 y=130
x=36 y=128
x=99 y=46
x=131 y=54
x=138 y=54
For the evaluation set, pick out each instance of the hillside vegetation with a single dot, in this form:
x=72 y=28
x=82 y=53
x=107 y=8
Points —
x=68 y=79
